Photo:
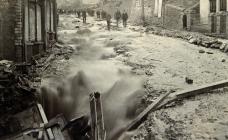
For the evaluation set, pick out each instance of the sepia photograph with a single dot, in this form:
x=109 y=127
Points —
x=113 y=69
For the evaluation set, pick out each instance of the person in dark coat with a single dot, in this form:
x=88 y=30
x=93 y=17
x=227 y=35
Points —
x=125 y=18
x=103 y=14
x=84 y=16
x=79 y=13
x=98 y=14
x=108 y=19
x=117 y=17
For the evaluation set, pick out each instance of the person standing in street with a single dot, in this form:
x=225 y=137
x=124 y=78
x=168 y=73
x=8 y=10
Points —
x=98 y=14
x=79 y=13
x=103 y=14
x=117 y=17
x=125 y=18
x=84 y=16
x=108 y=19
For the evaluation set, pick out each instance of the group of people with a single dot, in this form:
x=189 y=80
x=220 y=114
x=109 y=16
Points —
x=124 y=17
x=100 y=14
x=118 y=15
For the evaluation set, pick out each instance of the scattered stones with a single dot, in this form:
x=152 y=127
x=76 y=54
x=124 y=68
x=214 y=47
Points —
x=223 y=46
x=188 y=80
x=216 y=45
x=210 y=53
x=201 y=51
x=226 y=49
x=193 y=41
x=192 y=38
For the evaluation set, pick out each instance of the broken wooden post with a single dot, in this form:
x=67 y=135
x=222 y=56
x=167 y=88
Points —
x=142 y=116
x=97 y=120
x=159 y=103
x=45 y=121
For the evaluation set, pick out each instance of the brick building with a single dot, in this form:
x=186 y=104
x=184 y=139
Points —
x=175 y=14
x=27 y=28
x=181 y=14
x=213 y=17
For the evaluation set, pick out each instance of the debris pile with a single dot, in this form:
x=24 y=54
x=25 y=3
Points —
x=16 y=91
x=16 y=95
x=53 y=61
x=191 y=37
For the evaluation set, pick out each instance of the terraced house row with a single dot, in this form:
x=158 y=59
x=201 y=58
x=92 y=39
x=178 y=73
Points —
x=206 y=16
x=27 y=28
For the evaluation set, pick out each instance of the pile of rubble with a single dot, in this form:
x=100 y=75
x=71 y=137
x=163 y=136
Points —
x=16 y=94
x=16 y=91
x=191 y=37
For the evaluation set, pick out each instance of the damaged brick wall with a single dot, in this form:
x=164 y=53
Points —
x=7 y=29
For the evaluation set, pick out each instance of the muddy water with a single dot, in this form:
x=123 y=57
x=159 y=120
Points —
x=93 y=69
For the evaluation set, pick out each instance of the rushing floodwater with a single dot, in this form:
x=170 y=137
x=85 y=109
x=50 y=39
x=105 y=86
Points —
x=91 y=72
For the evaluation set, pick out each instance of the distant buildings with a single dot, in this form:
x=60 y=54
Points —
x=206 y=16
x=27 y=28
x=213 y=15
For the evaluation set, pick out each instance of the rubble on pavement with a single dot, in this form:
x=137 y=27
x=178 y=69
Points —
x=192 y=37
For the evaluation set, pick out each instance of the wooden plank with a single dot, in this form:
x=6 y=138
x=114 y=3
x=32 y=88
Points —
x=44 y=118
x=100 y=119
x=97 y=120
x=193 y=92
x=198 y=90
x=93 y=117
x=142 y=116
x=172 y=97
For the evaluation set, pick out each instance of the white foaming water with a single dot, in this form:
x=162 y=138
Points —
x=89 y=73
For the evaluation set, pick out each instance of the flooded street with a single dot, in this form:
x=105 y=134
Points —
x=131 y=69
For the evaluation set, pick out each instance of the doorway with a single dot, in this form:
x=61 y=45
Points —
x=184 y=22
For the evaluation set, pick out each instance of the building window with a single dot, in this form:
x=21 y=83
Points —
x=52 y=17
x=212 y=6
x=48 y=20
x=33 y=21
x=223 y=5
x=39 y=23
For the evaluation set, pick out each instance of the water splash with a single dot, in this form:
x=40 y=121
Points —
x=70 y=96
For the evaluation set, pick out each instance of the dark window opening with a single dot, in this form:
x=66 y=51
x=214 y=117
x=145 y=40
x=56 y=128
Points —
x=223 y=5
x=184 y=22
x=212 y=6
x=213 y=24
